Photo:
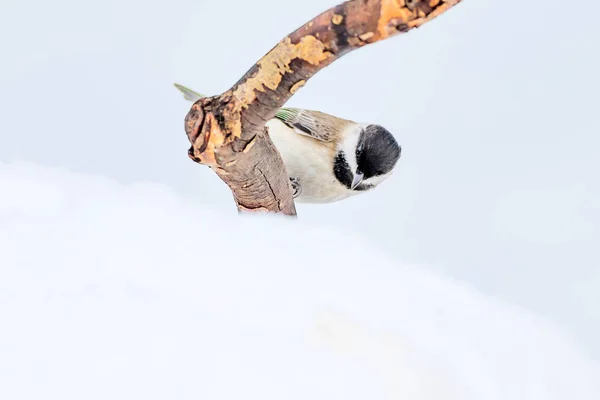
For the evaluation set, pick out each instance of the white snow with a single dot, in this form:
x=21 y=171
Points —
x=134 y=292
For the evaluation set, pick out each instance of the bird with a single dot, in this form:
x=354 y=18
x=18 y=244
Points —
x=328 y=158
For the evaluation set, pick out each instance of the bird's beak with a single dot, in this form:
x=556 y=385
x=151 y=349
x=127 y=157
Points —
x=358 y=178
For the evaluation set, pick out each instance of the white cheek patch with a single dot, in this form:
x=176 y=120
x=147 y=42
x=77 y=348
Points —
x=351 y=136
x=376 y=180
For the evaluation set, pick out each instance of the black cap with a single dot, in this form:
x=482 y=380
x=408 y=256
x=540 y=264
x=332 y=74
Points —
x=377 y=152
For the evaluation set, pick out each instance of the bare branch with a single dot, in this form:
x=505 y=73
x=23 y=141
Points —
x=227 y=132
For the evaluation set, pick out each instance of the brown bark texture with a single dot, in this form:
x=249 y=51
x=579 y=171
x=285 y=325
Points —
x=227 y=132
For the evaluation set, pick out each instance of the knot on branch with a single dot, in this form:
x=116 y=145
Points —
x=193 y=121
x=212 y=126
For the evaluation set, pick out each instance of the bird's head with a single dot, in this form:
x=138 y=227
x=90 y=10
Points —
x=367 y=157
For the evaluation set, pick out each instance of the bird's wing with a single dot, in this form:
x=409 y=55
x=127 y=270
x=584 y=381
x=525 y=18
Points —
x=189 y=94
x=315 y=124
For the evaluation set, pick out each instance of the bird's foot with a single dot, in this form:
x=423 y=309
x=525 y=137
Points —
x=296 y=186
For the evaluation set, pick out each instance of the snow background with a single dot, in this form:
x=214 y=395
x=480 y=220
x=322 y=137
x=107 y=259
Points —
x=493 y=104
x=111 y=291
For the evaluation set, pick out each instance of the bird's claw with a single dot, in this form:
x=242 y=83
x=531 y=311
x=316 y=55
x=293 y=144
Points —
x=297 y=188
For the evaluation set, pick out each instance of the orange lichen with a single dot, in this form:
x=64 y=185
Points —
x=395 y=13
x=337 y=19
x=392 y=10
x=366 y=36
x=297 y=86
x=440 y=9
x=273 y=66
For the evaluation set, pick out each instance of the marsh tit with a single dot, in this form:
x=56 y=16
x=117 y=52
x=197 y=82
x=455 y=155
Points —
x=328 y=158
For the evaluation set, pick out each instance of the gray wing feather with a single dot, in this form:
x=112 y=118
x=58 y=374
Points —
x=318 y=125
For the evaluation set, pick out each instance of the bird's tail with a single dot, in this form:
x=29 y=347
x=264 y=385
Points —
x=189 y=94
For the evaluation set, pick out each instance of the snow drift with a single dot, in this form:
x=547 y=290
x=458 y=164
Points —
x=133 y=292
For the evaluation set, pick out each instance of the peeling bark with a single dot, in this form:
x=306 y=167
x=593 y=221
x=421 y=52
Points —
x=227 y=132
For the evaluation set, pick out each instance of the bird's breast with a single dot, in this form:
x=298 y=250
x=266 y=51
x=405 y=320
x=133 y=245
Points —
x=311 y=162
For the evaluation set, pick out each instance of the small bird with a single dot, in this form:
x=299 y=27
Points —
x=328 y=158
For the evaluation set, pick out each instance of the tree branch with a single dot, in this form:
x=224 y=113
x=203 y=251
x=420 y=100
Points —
x=228 y=133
